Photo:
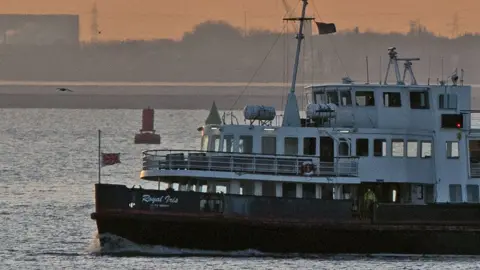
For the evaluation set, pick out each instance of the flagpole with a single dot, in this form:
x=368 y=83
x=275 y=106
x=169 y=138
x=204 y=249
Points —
x=99 y=156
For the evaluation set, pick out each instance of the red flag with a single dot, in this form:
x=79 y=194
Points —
x=110 y=158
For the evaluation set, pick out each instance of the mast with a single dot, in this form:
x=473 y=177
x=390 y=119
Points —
x=291 y=116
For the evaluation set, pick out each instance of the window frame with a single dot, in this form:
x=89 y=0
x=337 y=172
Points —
x=417 y=148
x=365 y=91
x=421 y=149
x=449 y=149
x=383 y=142
x=403 y=147
x=427 y=99
x=387 y=94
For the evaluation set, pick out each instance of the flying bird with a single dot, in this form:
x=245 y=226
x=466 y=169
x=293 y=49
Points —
x=64 y=89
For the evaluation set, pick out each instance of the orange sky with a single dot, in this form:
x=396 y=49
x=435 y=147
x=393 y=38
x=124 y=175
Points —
x=147 y=19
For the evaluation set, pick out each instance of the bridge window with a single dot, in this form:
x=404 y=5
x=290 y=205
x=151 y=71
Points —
x=245 y=144
x=426 y=149
x=472 y=194
x=392 y=99
x=227 y=143
x=290 y=146
x=447 y=101
x=365 y=98
x=380 y=148
x=362 y=147
x=269 y=145
x=412 y=149
x=419 y=100
x=332 y=97
x=452 y=149
x=343 y=149
x=398 y=148
x=309 y=146
x=346 y=98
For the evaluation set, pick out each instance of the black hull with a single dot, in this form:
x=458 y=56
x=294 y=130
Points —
x=282 y=225
x=216 y=233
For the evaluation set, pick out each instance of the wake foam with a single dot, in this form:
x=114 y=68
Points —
x=119 y=246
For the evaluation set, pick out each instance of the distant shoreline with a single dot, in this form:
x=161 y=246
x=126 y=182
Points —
x=159 y=95
x=133 y=83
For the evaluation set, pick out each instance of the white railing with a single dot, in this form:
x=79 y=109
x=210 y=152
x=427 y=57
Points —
x=248 y=163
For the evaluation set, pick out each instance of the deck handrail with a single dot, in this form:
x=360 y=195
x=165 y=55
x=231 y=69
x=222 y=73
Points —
x=173 y=159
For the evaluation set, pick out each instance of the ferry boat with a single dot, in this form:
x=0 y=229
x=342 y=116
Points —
x=300 y=187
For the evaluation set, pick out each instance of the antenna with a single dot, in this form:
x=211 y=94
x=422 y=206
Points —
x=366 y=60
x=429 y=68
x=461 y=77
x=442 y=68
x=380 y=72
x=94 y=27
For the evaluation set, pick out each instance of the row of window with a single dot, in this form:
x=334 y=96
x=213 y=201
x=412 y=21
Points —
x=418 y=99
x=398 y=147
x=455 y=193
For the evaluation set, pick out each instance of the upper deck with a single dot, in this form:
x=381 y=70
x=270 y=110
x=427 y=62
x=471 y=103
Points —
x=416 y=107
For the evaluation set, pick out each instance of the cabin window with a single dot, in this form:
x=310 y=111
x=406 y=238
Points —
x=309 y=146
x=215 y=146
x=343 y=148
x=365 y=98
x=204 y=146
x=227 y=143
x=412 y=149
x=419 y=100
x=455 y=193
x=447 y=101
x=472 y=194
x=346 y=98
x=320 y=98
x=362 y=147
x=398 y=148
x=426 y=150
x=269 y=145
x=380 y=148
x=332 y=97
x=291 y=146
x=245 y=144
x=392 y=99
x=452 y=149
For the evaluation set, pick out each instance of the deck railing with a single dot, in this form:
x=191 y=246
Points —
x=248 y=163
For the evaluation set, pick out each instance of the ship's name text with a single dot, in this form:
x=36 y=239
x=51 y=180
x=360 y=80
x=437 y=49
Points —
x=167 y=199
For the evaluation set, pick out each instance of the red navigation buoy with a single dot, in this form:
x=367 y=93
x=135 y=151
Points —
x=147 y=133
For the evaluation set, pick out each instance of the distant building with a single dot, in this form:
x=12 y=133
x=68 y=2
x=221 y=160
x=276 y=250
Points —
x=39 y=29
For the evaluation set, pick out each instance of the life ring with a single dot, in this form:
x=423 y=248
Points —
x=307 y=168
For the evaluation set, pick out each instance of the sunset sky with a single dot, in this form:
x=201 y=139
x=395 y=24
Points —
x=148 y=19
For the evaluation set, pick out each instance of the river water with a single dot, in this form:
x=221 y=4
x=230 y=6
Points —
x=48 y=168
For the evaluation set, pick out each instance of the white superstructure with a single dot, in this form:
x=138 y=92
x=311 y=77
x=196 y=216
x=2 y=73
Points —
x=409 y=143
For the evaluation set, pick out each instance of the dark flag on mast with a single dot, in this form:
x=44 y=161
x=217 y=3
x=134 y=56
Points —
x=326 y=28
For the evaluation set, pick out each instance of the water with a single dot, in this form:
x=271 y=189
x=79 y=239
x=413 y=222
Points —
x=48 y=166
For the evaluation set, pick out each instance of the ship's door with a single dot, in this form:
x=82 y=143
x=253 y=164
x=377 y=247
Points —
x=326 y=149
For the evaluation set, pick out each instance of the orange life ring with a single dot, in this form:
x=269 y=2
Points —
x=307 y=168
